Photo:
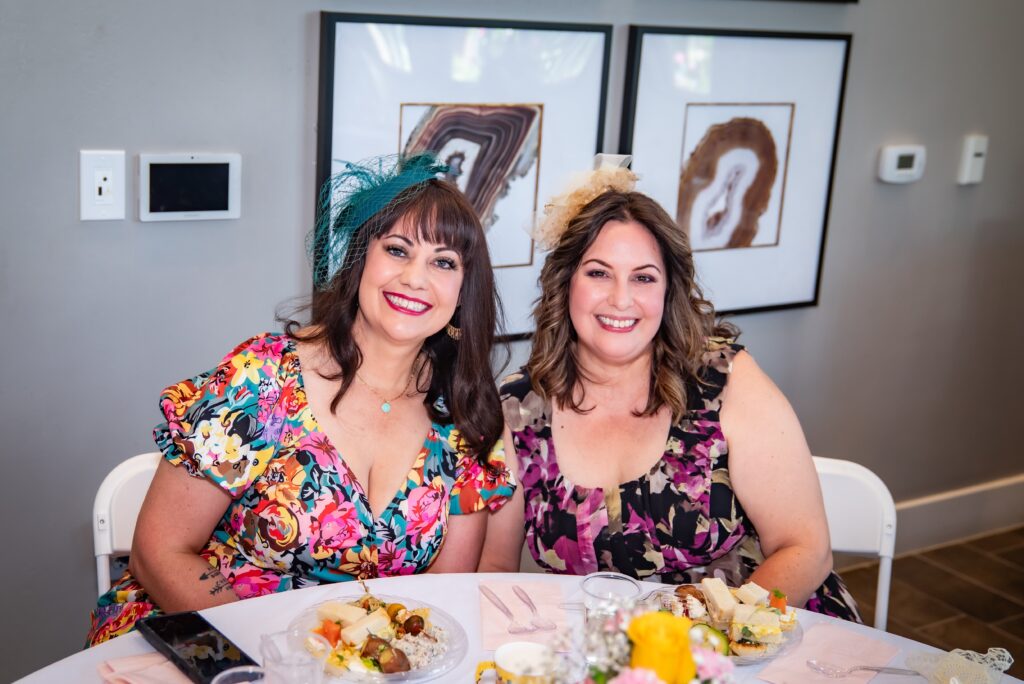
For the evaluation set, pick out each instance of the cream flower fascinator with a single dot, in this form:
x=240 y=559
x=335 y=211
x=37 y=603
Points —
x=611 y=172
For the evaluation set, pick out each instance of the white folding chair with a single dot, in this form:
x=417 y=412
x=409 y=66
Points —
x=115 y=509
x=861 y=519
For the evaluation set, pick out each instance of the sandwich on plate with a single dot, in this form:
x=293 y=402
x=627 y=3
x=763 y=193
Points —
x=754 y=631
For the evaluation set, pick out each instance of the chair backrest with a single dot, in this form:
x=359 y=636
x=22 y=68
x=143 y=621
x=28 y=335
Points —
x=861 y=519
x=115 y=509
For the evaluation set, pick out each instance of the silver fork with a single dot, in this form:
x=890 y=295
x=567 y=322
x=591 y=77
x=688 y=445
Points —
x=513 y=626
x=837 y=672
x=541 y=623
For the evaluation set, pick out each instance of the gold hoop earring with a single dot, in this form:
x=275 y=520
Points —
x=453 y=332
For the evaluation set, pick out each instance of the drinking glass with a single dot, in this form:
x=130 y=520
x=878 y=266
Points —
x=294 y=656
x=243 y=674
x=606 y=593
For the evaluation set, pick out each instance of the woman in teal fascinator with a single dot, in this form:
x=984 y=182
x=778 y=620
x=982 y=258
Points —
x=362 y=443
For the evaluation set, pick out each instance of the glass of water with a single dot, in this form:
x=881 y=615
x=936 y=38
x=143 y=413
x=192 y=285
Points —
x=606 y=593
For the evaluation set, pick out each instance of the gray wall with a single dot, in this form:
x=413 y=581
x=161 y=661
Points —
x=909 y=365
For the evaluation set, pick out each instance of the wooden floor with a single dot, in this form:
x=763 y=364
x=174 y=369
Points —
x=968 y=595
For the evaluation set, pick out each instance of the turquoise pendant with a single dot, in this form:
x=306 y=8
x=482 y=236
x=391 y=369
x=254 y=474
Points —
x=386 y=407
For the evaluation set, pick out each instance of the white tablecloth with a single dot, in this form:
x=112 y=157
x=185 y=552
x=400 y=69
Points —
x=243 y=622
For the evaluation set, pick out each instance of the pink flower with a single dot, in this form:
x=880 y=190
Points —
x=338 y=525
x=635 y=675
x=255 y=582
x=711 y=665
x=423 y=511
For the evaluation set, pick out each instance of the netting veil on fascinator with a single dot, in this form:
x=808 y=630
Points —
x=352 y=196
x=611 y=172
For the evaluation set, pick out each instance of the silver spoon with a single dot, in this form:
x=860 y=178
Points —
x=541 y=623
x=837 y=671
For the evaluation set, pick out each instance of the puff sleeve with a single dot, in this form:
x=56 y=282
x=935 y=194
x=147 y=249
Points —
x=478 y=486
x=219 y=424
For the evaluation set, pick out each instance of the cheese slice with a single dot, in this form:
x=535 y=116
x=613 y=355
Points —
x=344 y=613
x=752 y=594
x=374 y=623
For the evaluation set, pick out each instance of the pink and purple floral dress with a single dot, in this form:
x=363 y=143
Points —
x=676 y=524
x=298 y=516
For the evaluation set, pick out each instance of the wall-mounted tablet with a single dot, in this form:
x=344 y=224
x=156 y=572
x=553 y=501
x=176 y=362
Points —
x=196 y=186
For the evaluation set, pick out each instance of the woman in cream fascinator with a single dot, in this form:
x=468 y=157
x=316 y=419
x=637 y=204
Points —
x=647 y=441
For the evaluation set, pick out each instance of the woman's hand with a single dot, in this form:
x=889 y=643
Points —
x=176 y=521
x=774 y=479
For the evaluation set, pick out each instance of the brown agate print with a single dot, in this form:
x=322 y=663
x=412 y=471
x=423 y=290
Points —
x=493 y=152
x=731 y=178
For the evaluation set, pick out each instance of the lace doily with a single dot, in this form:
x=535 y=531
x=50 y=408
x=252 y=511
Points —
x=962 y=667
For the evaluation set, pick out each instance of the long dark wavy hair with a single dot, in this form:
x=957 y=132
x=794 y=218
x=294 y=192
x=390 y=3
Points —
x=458 y=371
x=687 y=322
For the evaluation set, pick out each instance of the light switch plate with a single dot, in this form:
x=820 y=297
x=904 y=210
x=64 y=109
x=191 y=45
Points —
x=972 y=160
x=101 y=185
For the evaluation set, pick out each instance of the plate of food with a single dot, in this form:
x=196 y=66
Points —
x=749 y=624
x=379 y=638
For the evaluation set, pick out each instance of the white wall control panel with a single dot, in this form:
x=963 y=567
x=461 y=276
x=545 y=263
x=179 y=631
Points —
x=190 y=186
x=101 y=185
x=972 y=160
x=901 y=163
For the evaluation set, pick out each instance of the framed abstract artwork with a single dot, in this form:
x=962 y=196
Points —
x=513 y=109
x=735 y=134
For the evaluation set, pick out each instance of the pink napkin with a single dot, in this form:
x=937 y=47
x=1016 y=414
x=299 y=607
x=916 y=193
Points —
x=831 y=644
x=547 y=596
x=151 y=668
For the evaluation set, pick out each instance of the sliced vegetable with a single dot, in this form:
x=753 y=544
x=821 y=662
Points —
x=330 y=630
x=710 y=637
x=777 y=600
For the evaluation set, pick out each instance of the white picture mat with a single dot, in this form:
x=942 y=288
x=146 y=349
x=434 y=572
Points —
x=806 y=72
x=379 y=66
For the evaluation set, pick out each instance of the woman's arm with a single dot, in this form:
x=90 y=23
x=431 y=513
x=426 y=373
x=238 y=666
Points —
x=175 y=523
x=503 y=544
x=775 y=481
x=462 y=543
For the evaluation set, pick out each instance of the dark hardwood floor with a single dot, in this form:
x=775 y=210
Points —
x=968 y=595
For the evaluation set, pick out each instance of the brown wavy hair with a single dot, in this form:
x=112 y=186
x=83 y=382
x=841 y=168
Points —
x=458 y=371
x=687 y=323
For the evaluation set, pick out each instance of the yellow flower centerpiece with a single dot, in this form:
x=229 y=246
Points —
x=644 y=646
x=661 y=644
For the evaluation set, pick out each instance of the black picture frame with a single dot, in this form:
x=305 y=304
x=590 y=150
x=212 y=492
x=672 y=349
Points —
x=569 y=111
x=740 y=76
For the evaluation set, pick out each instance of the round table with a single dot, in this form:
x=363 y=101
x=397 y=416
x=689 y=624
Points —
x=244 y=621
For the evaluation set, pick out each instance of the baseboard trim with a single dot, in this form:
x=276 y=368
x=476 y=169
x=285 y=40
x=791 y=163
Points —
x=959 y=514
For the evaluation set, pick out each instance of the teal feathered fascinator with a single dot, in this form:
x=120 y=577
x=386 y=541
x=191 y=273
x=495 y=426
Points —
x=354 y=195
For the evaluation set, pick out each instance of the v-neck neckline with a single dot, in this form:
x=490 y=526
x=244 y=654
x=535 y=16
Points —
x=552 y=457
x=419 y=463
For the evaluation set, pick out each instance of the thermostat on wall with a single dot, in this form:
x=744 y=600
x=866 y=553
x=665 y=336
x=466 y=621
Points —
x=901 y=163
x=190 y=187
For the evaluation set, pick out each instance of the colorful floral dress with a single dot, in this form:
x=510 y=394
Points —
x=676 y=524
x=298 y=516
